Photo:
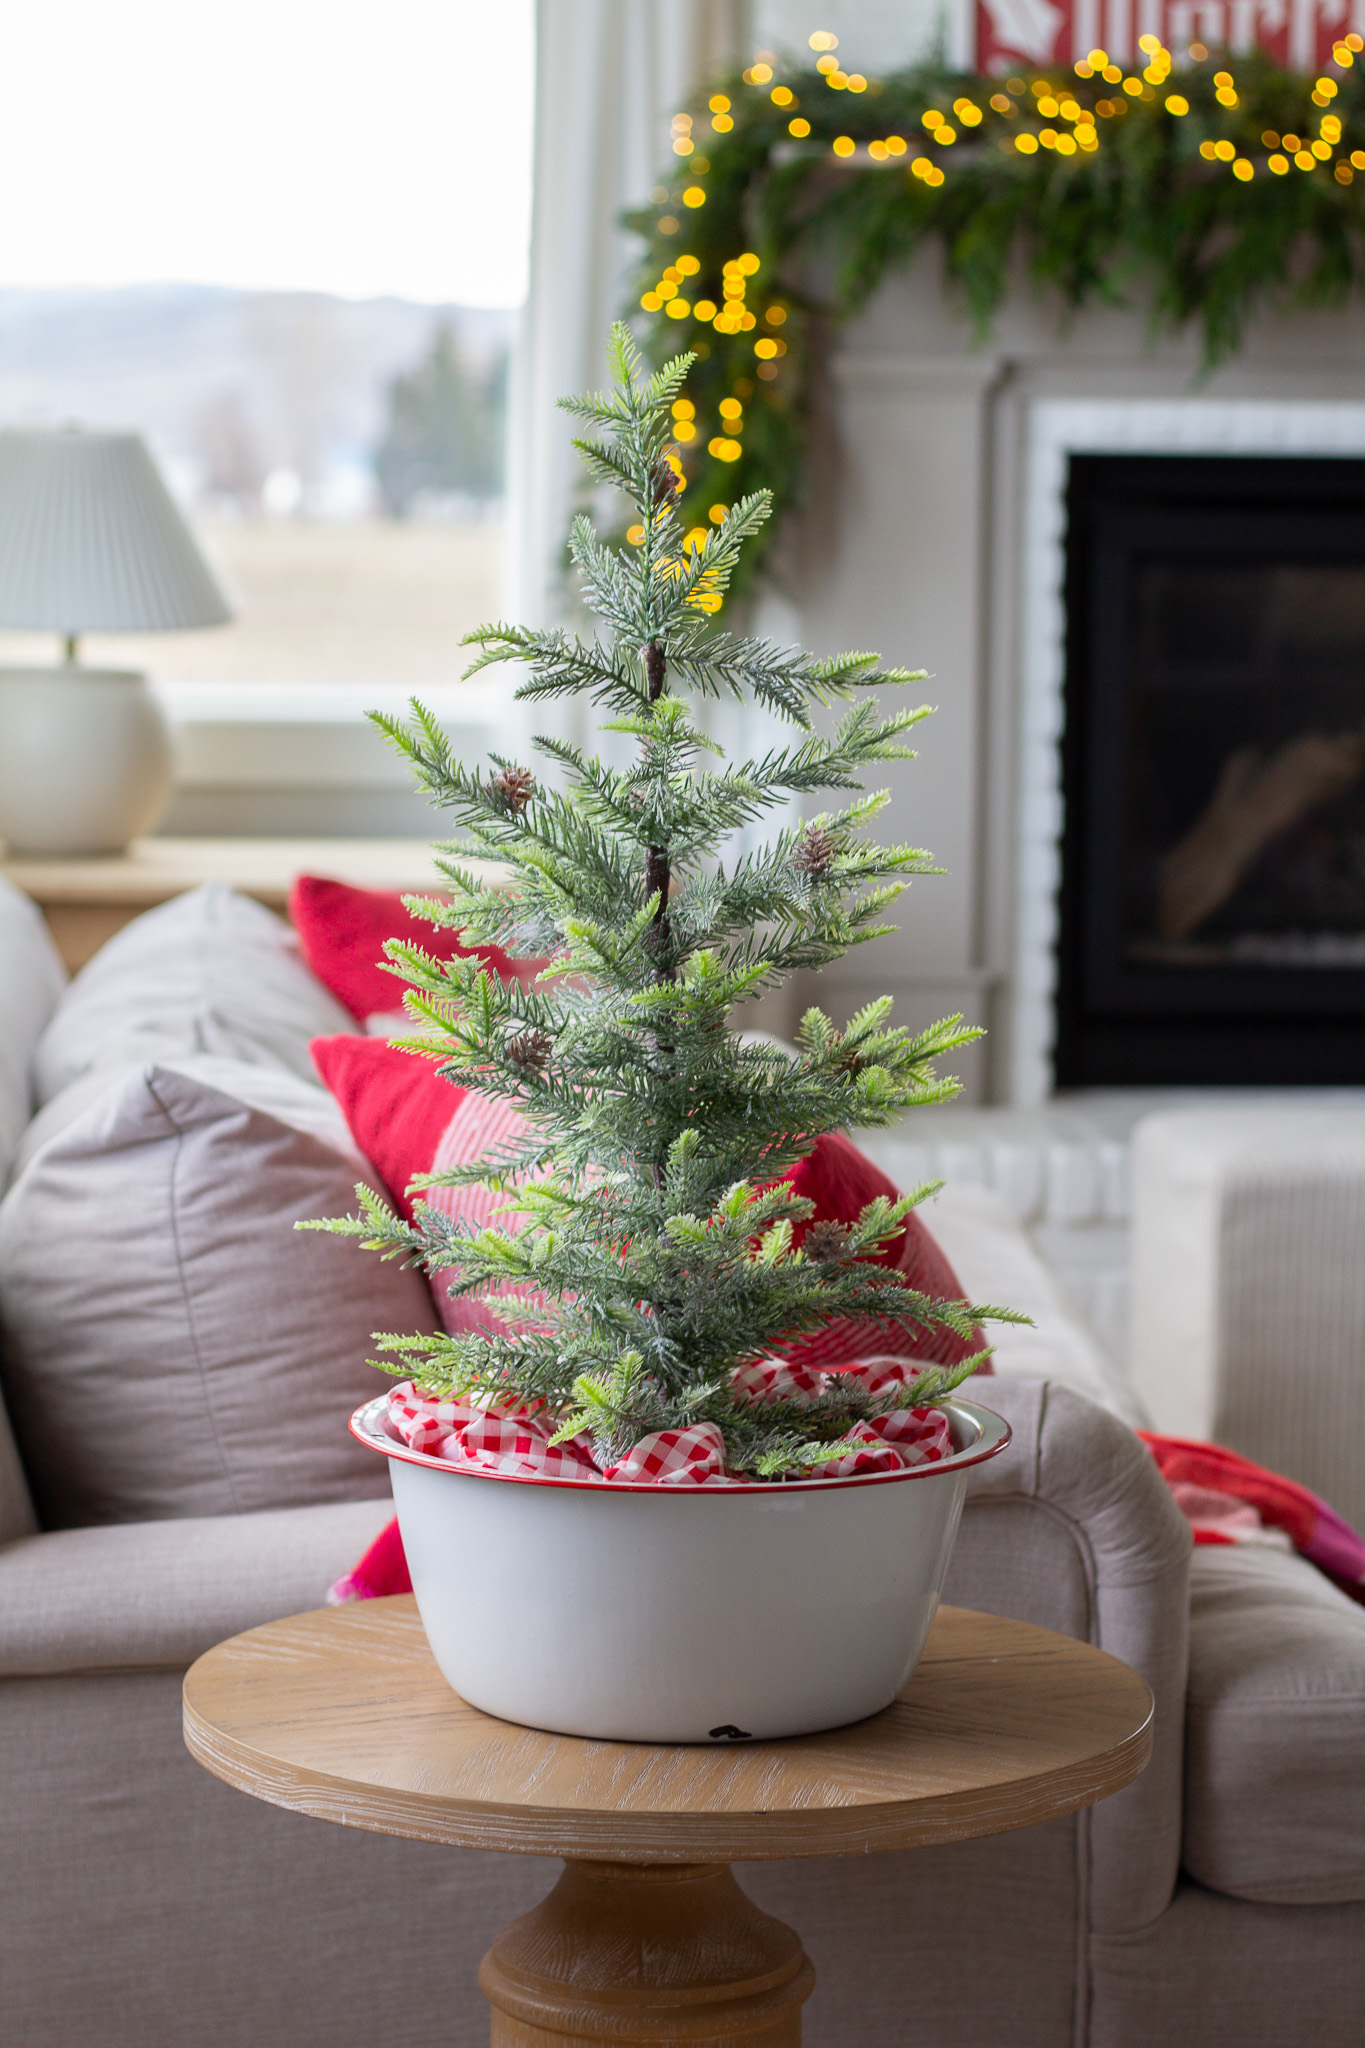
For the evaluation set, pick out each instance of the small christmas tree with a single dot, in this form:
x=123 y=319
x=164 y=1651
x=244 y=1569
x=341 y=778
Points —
x=658 y=1255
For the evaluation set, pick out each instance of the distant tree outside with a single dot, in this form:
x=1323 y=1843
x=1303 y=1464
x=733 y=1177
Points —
x=445 y=431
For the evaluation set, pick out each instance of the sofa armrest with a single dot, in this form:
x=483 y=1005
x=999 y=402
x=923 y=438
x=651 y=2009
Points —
x=155 y=1595
x=16 y=1502
x=1249 y=1287
x=1073 y=1528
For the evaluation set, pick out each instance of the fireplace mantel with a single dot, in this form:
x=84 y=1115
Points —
x=934 y=533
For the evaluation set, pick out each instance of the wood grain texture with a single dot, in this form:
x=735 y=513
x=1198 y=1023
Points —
x=344 y=1715
x=621 y=1953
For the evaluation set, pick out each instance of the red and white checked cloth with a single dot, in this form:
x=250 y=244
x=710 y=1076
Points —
x=514 y=1441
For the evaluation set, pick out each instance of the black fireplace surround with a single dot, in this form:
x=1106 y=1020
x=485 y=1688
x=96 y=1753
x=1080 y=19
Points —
x=1213 y=767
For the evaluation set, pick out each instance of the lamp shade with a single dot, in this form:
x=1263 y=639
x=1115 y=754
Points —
x=91 y=541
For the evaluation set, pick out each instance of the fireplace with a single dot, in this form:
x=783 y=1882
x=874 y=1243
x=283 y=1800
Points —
x=1212 y=901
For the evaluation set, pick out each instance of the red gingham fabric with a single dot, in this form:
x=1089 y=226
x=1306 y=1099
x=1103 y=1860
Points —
x=490 y=1438
x=772 y=1379
x=493 y=1439
x=675 y=1457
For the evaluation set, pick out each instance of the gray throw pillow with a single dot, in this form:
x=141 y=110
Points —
x=32 y=978
x=169 y=1344
x=208 y=972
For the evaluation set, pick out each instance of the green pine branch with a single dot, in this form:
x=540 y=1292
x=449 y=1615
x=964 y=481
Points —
x=645 y=1242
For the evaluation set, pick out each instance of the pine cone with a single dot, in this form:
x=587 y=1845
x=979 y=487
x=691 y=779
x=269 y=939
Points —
x=850 y=1059
x=664 y=485
x=529 y=1052
x=514 y=787
x=825 y=1241
x=815 y=849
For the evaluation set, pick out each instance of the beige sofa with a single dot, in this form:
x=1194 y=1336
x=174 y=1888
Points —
x=1219 y=1902
x=145 y=1905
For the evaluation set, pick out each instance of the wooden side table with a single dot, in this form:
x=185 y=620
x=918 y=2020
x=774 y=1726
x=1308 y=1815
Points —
x=85 y=901
x=647 y=1938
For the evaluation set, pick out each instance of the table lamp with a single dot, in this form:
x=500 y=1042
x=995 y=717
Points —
x=90 y=542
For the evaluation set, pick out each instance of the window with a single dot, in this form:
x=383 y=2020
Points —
x=285 y=240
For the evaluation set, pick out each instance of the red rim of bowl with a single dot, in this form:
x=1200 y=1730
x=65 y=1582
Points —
x=377 y=1439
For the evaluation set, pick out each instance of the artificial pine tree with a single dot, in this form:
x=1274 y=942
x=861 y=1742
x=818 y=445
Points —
x=658 y=1256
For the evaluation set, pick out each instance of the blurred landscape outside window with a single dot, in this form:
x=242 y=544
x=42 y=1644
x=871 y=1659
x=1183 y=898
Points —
x=289 y=252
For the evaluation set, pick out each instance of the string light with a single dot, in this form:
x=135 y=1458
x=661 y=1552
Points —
x=1067 y=118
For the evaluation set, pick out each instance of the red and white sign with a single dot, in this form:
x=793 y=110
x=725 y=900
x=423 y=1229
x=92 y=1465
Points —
x=1298 y=33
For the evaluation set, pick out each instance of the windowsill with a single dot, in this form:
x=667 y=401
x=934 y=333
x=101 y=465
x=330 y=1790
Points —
x=280 y=760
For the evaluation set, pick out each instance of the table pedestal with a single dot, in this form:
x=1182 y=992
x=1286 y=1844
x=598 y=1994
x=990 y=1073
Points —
x=629 y=1952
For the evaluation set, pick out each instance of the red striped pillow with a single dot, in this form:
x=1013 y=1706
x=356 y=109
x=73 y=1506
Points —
x=407 y=1120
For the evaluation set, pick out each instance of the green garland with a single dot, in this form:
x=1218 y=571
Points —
x=1218 y=194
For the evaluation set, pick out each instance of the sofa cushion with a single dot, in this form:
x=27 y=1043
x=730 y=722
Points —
x=209 y=972
x=1274 y=1730
x=994 y=1258
x=31 y=982
x=156 y=1595
x=171 y=1346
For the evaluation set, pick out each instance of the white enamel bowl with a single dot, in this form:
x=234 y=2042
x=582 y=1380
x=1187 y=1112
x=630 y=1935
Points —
x=645 y=1613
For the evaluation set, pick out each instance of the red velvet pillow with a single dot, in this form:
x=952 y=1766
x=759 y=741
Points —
x=342 y=932
x=841 y=1181
x=397 y=1099
x=403 y=1117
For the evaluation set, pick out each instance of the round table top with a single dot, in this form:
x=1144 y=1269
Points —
x=344 y=1715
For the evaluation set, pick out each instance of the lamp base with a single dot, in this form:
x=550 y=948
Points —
x=86 y=760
